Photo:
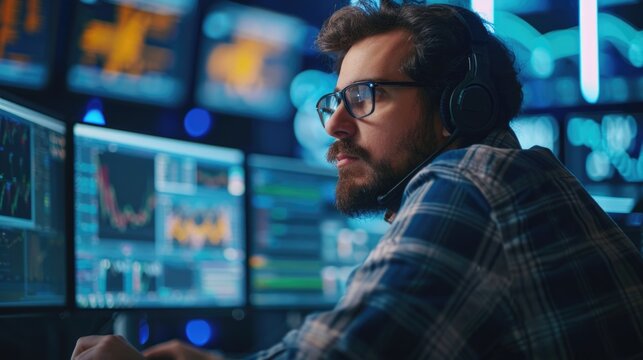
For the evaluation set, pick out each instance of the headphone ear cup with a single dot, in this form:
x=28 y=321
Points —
x=445 y=110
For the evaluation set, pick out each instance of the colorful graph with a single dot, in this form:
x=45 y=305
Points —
x=135 y=50
x=25 y=42
x=126 y=197
x=12 y=24
x=249 y=56
x=198 y=228
x=15 y=170
x=122 y=46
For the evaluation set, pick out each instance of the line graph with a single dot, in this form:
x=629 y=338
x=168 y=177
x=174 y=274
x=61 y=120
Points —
x=15 y=170
x=198 y=227
x=126 y=197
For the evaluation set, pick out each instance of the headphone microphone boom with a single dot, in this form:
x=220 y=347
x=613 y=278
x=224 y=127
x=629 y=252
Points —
x=469 y=109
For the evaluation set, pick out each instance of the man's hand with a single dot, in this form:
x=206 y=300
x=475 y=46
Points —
x=178 y=350
x=104 y=347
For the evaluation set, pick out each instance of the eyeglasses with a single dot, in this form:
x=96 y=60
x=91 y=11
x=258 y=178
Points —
x=358 y=98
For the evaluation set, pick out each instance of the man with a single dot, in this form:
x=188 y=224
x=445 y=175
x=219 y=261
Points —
x=493 y=251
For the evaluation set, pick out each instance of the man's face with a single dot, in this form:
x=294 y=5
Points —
x=374 y=153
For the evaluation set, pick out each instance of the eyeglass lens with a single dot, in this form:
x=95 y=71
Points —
x=359 y=102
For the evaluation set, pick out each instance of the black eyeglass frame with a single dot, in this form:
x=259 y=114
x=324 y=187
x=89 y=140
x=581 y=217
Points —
x=340 y=96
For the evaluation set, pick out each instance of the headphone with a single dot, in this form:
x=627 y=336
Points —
x=469 y=109
x=471 y=106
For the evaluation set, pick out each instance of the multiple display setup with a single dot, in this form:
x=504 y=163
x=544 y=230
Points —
x=165 y=223
x=162 y=223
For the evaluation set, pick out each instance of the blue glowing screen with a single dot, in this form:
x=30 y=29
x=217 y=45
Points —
x=303 y=249
x=159 y=222
x=537 y=130
x=32 y=203
x=605 y=152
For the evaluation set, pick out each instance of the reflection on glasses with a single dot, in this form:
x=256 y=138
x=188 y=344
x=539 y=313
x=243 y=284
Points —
x=358 y=98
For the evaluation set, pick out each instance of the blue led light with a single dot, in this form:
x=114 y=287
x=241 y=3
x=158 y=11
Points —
x=94 y=113
x=197 y=122
x=198 y=331
x=143 y=332
x=94 y=116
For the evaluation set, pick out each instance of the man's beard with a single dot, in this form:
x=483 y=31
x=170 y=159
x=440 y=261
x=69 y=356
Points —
x=355 y=199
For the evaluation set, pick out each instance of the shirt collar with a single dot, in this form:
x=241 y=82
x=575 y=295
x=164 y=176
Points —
x=503 y=138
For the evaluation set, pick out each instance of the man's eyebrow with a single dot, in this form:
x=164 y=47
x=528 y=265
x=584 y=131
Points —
x=363 y=80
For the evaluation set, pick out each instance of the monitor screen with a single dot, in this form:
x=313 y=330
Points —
x=537 y=130
x=32 y=208
x=26 y=29
x=133 y=50
x=605 y=152
x=303 y=249
x=247 y=58
x=159 y=222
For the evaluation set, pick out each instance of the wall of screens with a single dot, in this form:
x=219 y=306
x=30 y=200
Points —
x=33 y=241
x=159 y=222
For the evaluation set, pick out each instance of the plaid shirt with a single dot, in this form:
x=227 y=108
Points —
x=496 y=252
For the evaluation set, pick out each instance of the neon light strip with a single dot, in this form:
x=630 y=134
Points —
x=485 y=9
x=589 y=73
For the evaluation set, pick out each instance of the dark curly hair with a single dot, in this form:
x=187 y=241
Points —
x=441 y=47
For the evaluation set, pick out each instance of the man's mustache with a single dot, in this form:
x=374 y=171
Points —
x=346 y=147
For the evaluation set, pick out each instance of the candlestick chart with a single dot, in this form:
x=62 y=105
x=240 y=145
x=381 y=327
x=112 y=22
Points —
x=15 y=169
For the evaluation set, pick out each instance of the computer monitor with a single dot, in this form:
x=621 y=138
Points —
x=27 y=31
x=133 y=50
x=303 y=249
x=605 y=152
x=33 y=240
x=159 y=222
x=247 y=59
x=537 y=130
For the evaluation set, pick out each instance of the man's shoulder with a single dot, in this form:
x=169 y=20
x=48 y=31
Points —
x=498 y=170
